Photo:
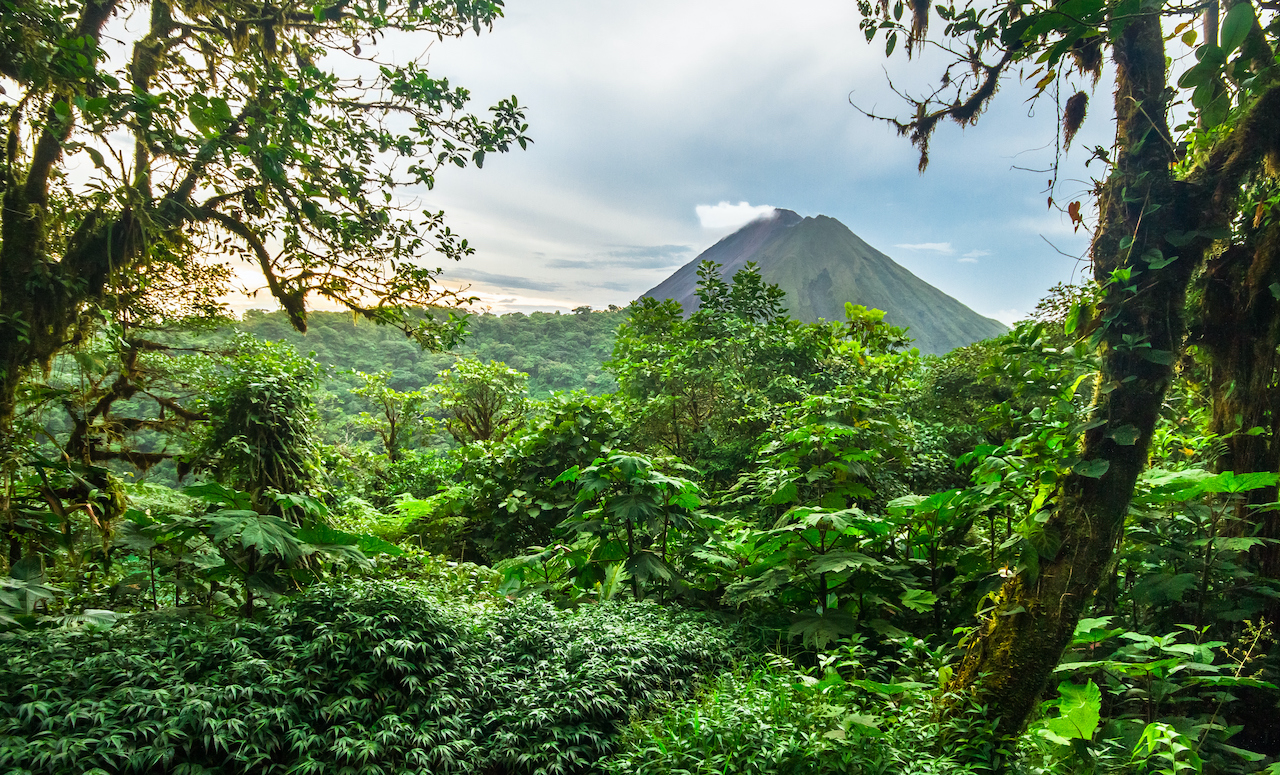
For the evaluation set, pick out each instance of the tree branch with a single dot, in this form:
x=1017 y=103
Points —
x=292 y=301
x=920 y=129
x=49 y=146
x=1257 y=138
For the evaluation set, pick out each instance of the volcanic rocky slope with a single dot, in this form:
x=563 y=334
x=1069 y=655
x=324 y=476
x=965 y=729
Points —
x=821 y=264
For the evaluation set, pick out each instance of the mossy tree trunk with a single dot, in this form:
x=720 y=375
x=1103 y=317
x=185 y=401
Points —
x=1152 y=234
x=1239 y=329
x=1014 y=652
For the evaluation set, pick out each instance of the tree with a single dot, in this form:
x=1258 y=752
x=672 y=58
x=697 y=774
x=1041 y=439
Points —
x=220 y=131
x=704 y=387
x=628 y=511
x=485 y=401
x=260 y=437
x=1158 y=217
x=1237 y=326
x=114 y=398
x=401 y=412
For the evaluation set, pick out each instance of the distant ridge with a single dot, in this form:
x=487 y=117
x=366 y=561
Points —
x=821 y=264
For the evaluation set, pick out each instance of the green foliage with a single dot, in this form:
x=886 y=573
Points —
x=232 y=540
x=854 y=713
x=841 y=487
x=261 y=430
x=827 y=547
x=558 y=352
x=510 y=496
x=833 y=568
x=446 y=579
x=1188 y=552
x=365 y=677
x=630 y=519
x=356 y=515
x=352 y=471
x=1162 y=744
x=22 y=590
x=704 y=387
x=1078 y=713
x=482 y=401
x=397 y=415
x=1149 y=704
x=837 y=451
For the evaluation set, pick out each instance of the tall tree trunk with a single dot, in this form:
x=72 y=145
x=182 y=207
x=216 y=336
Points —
x=1015 y=651
x=1239 y=328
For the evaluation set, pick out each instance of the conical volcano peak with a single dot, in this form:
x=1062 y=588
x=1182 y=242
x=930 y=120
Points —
x=789 y=217
x=821 y=265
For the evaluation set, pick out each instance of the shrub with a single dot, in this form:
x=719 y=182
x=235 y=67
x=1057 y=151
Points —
x=775 y=719
x=365 y=677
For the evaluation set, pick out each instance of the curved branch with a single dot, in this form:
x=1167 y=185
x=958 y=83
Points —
x=292 y=301
x=920 y=129
x=1257 y=138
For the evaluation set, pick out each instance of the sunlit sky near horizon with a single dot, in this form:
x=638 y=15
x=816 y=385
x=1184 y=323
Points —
x=660 y=127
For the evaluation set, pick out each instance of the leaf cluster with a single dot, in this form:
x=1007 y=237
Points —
x=368 y=677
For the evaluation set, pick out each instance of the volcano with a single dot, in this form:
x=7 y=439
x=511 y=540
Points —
x=821 y=264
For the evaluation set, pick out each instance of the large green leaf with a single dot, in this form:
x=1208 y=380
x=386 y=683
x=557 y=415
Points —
x=372 y=545
x=28 y=569
x=1093 y=469
x=1231 y=482
x=1079 y=711
x=312 y=508
x=267 y=533
x=919 y=600
x=218 y=495
x=335 y=543
x=647 y=565
x=838 y=562
x=323 y=534
x=91 y=618
x=135 y=538
x=1164 y=588
x=762 y=586
x=1236 y=25
x=634 y=507
x=820 y=630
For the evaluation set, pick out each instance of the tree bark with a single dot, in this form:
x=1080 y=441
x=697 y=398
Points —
x=1239 y=329
x=1014 y=652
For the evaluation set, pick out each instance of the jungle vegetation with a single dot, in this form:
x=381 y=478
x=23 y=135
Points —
x=751 y=544
x=768 y=550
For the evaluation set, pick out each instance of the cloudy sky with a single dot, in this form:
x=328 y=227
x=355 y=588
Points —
x=661 y=126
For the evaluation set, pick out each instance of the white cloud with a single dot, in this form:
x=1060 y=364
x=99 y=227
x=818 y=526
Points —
x=727 y=216
x=967 y=260
x=936 y=247
x=738 y=104
x=976 y=254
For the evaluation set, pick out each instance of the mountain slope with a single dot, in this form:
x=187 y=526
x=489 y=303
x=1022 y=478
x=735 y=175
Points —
x=821 y=265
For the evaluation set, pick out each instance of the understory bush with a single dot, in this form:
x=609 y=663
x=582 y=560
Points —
x=367 y=677
x=855 y=712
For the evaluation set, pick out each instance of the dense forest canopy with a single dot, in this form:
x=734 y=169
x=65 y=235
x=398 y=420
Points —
x=630 y=541
x=557 y=351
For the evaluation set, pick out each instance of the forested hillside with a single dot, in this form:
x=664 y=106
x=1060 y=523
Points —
x=558 y=352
